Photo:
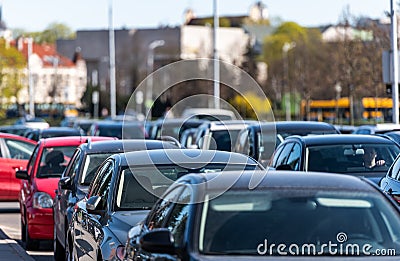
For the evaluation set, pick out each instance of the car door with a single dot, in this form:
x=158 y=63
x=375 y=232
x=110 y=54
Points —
x=92 y=228
x=65 y=198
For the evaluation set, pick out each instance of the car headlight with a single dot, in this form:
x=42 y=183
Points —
x=42 y=200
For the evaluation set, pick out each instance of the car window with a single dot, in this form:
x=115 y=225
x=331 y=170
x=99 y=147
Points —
x=103 y=187
x=179 y=215
x=275 y=156
x=73 y=165
x=160 y=211
x=283 y=156
x=395 y=170
x=32 y=160
x=19 y=149
x=242 y=144
x=91 y=164
x=54 y=160
x=294 y=157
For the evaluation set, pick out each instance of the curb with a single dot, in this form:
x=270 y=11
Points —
x=15 y=248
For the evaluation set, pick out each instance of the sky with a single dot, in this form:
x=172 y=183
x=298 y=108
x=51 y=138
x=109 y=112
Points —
x=93 y=14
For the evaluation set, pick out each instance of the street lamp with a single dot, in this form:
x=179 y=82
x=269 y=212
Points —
x=150 y=67
x=338 y=90
x=285 y=49
x=111 y=39
x=30 y=78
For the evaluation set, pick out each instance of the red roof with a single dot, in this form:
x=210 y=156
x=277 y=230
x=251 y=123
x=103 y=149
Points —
x=46 y=52
x=71 y=140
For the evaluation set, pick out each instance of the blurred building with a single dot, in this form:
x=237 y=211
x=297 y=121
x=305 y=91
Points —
x=56 y=78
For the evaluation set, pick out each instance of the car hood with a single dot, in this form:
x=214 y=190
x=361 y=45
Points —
x=122 y=221
x=48 y=185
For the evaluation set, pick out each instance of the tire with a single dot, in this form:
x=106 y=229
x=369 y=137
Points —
x=23 y=231
x=59 y=251
x=30 y=244
x=68 y=249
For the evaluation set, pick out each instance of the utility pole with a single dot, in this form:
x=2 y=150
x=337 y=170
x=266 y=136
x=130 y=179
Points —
x=111 y=38
x=395 y=84
x=216 y=58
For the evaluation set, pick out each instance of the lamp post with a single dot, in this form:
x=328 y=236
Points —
x=30 y=79
x=338 y=90
x=216 y=57
x=395 y=88
x=285 y=49
x=150 y=67
x=111 y=39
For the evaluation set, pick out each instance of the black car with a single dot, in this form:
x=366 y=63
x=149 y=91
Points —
x=125 y=188
x=37 y=134
x=337 y=153
x=80 y=171
x=118 y=129
x=390 y=183
x=285 y=215
x=172 y=127
x=259 y=141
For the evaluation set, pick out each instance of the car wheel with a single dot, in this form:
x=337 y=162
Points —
x=30 y=244
x=69 y=251
x=23 y=231
x=59 y=252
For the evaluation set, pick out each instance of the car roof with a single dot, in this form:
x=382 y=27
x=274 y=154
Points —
x=295 y=125
x=228 y=124
x=70 y=140
x=328 y=139
x=281 y=180
x=17 y=137
x=119 y=146
x=183 y=156
x=60 y=130
x=177 y=121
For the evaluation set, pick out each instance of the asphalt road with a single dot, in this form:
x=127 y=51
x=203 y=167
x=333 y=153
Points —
x=10 y=224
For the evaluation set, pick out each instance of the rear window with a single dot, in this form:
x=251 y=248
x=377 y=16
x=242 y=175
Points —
x=54 y=160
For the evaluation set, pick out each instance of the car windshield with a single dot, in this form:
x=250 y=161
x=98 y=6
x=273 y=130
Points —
x=223 y=139
x=54 y=160
x=351 y=158
x=19 y=149
x=91 y=164
x=140 y=189
x=300 y=222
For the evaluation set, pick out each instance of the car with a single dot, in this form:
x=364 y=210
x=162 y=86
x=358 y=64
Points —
x=14 y=129
x=210 y=114
x=286 y=214
x=74 y=183
x=188 y=138
x=259 y=141
x=37 y=134
x=379 y=128
x=173 y=127
x=124 y=190
x=15 y=152
x=337 y=153
x=32 y=122
x=118 y=129
x=220 y=135
x=39 y=182
x=394 y=135
x=83 y=124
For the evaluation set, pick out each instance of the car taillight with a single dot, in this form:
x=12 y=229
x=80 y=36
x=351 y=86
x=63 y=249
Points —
x=42 y=200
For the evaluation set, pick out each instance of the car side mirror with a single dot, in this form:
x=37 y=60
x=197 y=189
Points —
x=22 y=174
x=93 y=205
x=158 y=241
x=65 y=183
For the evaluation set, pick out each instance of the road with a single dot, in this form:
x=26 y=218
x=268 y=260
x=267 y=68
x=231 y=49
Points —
x=10 y=224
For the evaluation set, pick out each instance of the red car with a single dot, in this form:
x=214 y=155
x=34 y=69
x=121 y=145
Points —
x=14 y=155
x=40 y=181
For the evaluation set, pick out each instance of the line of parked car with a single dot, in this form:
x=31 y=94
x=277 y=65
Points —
x=234 y=190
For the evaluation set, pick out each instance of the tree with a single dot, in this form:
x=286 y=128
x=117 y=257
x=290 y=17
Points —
x=12 y=63
x=52 y=32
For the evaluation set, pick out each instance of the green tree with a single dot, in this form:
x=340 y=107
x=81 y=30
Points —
x=12 y=63
x=52 y=32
